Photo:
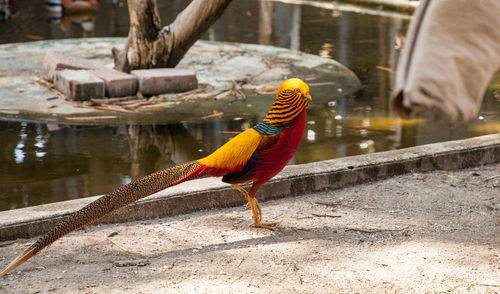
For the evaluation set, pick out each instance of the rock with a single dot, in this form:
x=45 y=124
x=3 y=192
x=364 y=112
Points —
x=79 y=84
x=118 y=84
x=216 y=74
x=165 y=80
x=55 y=61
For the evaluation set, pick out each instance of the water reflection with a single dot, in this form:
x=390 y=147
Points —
x=7 y=10
x=83 y=161
x=46 y=163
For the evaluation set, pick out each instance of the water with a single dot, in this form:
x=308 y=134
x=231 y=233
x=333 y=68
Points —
x=46 y=163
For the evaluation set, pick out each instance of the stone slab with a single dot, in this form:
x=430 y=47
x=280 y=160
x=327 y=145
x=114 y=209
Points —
x=292 y=181
x=79 y=85
x=118 y=84
x=23 y=98
x=54 y=61
x=165 y=80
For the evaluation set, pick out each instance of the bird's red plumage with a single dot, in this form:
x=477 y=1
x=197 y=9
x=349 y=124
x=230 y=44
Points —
x=271 y=161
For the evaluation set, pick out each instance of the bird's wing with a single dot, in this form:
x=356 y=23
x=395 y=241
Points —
x=234 y=155
x=246 y=174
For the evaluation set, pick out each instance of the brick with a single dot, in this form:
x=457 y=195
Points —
x=55 y=61
x=165 y=80
x=117 y=83
x=79 y=85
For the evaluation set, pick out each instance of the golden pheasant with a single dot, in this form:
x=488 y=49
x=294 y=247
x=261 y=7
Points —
x=255 y=155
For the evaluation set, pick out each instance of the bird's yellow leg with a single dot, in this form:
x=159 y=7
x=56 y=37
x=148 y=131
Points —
x=256 y=210
x=254 y=205
x=242 y=191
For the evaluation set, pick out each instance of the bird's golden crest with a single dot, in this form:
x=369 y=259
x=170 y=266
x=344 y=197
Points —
x=291 y=100
x=294 y=84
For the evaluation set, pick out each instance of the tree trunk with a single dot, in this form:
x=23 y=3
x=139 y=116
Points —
x=150 y=46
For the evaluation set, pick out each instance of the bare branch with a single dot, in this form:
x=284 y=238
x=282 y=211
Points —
x=192 y=23
x=150 y=46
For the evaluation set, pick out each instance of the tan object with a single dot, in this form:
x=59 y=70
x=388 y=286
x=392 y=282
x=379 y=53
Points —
x=452 y=50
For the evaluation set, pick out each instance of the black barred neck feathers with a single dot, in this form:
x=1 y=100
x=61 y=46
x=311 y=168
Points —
x=291 y=100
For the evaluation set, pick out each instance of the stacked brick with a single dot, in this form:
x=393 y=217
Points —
x=81 y=79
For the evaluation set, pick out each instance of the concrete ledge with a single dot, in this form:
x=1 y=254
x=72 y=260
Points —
x=292 y=181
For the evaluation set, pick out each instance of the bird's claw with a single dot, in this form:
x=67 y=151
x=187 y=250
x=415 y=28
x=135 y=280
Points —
x=269 y=226
x=257 y=215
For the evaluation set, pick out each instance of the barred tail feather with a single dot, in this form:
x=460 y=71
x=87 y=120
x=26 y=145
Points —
x=111 y=202
x=27 y=254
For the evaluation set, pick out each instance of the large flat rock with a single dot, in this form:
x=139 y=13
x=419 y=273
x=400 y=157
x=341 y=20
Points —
x=219 y=66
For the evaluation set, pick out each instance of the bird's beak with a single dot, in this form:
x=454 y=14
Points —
x=308 y=96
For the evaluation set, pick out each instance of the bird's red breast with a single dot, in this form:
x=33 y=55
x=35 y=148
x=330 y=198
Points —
x=271 y=161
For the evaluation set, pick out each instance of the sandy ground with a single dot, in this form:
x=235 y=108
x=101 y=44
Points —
x=423 y=232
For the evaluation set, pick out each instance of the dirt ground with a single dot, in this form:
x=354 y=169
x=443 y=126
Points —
x=422 y=232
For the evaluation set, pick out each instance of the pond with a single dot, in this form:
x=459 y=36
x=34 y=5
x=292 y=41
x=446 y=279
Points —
x=42 y=163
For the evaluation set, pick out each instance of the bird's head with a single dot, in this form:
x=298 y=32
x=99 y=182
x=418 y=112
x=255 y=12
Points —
x=293 y=85
x=291 y=100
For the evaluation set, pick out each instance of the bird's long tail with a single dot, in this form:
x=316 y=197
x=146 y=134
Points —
x=111 y=202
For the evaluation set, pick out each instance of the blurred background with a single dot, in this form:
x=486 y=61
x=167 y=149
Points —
x=42 y=163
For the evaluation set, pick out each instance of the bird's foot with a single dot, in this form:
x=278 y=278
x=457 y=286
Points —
x=269 y=226
x=257 y=215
